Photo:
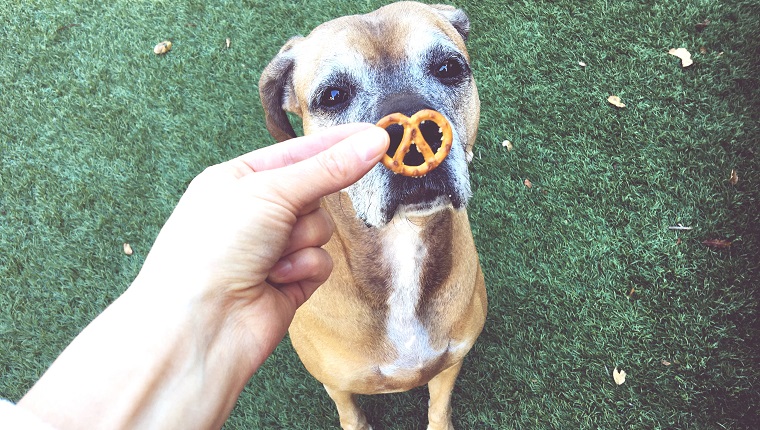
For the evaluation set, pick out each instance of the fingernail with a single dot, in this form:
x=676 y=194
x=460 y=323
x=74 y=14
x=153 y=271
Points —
x=371 y=143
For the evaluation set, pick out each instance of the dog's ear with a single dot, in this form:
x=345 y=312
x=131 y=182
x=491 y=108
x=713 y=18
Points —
x=457 y=17
x=277 y=93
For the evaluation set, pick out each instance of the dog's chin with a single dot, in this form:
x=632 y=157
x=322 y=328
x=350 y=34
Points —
x=419 y=197
x=421 y=208
x=404 y=198
x=382 y=195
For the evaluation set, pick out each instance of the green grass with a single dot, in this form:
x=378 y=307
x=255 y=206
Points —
x=99 y=137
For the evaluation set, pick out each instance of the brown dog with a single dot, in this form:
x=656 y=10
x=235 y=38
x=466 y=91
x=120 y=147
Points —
x=406 y=299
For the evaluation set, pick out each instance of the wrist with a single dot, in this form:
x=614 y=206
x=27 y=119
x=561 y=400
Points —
x=202 y=362
x=146 y=362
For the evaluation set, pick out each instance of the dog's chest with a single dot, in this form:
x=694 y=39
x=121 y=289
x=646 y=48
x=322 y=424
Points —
x=417 y=345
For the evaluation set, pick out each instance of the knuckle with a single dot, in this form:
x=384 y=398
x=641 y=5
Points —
x=335 y=164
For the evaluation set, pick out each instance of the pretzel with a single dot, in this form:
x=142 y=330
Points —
x=413 y=136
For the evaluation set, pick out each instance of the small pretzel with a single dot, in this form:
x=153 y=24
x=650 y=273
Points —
x=413 y=136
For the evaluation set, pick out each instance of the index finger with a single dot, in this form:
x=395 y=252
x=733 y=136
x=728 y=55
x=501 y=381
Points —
x=299 y=148
x=326 y=172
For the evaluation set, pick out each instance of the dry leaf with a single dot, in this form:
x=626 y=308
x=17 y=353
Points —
x=702 y=25
x=684 y=55
x=702 y=50
x=631 y=293
x=582 y=64
x=127 y=249
x=615 y=101
x=507 y=144
x=734 y=177
x=666 y=363
x=528 y=183
x=162 y=48
x=618 y=376
x=717 y=243
x=227 y=43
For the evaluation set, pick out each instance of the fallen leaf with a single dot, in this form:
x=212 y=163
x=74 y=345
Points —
x=528 y=183
x=717 y=243
x=702 y=25
x=666 y=363
x=734 y=178
x=582 y=64
x=631 y=293
x=227 y=43
x=615 y=101
x=702 y=50
x=684 y=55
x=618 y=376
x=127 y=249
x=507 y=144
x=162 y=48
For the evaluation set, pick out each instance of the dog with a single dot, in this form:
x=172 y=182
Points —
x=406 y=299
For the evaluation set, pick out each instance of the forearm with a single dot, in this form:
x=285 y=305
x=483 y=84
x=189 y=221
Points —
x=145 y=362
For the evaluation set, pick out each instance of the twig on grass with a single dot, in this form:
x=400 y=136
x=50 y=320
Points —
x=679 y=227
x=66 y=27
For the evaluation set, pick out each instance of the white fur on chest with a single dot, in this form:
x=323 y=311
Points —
x=406 y=252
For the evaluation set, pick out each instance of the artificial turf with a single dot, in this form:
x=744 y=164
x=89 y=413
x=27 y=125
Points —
x=99 y=137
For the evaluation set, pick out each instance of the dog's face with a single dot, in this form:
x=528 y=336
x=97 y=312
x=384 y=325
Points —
x=401 y=58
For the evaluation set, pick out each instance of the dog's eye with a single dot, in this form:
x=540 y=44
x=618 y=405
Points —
x=448 y=71
x=333 y=97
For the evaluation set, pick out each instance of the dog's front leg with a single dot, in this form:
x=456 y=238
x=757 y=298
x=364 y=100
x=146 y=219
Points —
x=351 y=417
x=441 y=387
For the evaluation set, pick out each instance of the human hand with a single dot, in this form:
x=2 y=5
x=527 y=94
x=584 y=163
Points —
x=247 y=233
x=218 y=290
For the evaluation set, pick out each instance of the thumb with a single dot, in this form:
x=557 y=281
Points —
x=331 y=170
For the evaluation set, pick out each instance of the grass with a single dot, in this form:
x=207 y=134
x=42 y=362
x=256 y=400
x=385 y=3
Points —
x=99 y=137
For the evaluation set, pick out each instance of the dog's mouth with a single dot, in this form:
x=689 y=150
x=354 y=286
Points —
x=424 y=199
x=433 y=191
x=420 y=194
x=430 y=132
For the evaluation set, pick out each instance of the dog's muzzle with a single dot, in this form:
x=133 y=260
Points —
x=433 y=189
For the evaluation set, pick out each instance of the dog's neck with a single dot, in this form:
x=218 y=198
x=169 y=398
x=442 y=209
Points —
x=413 y=249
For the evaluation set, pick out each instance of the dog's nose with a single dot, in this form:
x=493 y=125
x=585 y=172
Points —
x=396 y=133
x=430 y=132
x=405 y=102
x=409 y=104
